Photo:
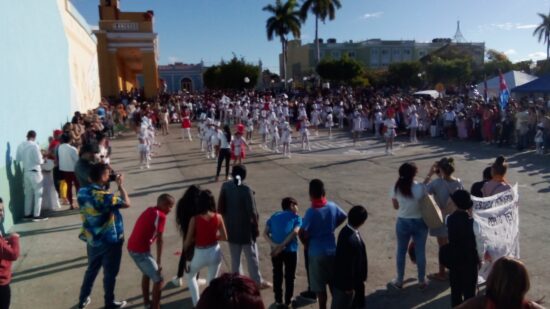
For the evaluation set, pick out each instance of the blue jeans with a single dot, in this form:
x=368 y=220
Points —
x=108 y=256
x=405 y=229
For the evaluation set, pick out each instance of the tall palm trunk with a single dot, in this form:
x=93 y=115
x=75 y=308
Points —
x=548 y=47
x=283 y=44
x=317 y=45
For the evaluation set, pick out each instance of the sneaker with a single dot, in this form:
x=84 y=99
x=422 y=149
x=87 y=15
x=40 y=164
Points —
x=85 y=303
x=423 y=285
x=29 y=217
x=265 y=285
x=117 y=304
x=39 y=218
x=177 y=281
x=396 y=284
x=201 y=281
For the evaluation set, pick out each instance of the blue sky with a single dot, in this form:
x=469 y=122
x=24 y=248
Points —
x=209 y=30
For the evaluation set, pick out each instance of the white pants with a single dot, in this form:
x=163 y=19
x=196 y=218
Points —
x=33 y=183
x=210 y=257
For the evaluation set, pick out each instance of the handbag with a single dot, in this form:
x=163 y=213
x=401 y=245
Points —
x=431 y=214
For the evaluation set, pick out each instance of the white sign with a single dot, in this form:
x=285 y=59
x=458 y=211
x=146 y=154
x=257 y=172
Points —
x=497 y=226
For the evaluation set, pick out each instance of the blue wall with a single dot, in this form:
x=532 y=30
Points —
x=34 y=85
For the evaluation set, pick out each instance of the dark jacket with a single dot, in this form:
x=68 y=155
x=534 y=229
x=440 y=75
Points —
x=351 y=266
x=238 y=209
x=462 y=241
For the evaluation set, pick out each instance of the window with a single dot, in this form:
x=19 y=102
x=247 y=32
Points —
x=351 y=54
x=336 y=54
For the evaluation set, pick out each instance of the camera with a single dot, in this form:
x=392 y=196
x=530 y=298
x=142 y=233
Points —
x=113 y=177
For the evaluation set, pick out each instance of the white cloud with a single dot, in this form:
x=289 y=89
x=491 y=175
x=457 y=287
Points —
x=510 y=52
x=507 y=26
x=537 y=55
x=529 y=26
x=373 y=15
x=173 y=59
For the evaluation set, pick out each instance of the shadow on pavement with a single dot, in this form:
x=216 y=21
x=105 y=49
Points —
x=48 y=269
x=50 y=230
x=410 y=297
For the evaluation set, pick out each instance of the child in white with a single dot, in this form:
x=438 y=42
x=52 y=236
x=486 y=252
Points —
x=413 y=125
x=539 y=139
x=316 y=120
x=274 y=132
x=286 y=139
x=329 y=123
x=238 y=145
x=249 y=127
x=390 y=134
x=357 y=126
x=378 y=121
x=304 y=132
x=208 y=140
x=143 y=149
x=264 y=130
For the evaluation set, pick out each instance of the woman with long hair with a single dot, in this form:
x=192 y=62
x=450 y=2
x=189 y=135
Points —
x=204 y=231
x=406 y=195
x=186 y=209
x=507 y=287
x=442 y=188
x=224 y=151
x=498 y=182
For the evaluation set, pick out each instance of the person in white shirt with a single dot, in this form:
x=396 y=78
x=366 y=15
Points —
x=28 y=154
x=286 y=138
x=413 y=126
x=67 y=156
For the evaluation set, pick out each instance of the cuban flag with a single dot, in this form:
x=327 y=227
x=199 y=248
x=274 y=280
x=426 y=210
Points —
x=504 y=92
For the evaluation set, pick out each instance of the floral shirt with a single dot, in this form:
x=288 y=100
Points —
x=101 y=218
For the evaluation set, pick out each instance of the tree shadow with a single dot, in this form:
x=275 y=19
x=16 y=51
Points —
x=14 y=174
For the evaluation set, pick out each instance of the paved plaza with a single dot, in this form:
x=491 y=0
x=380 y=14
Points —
x=50 y=270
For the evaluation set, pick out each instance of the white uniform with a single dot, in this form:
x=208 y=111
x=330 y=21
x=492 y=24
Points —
x=28 y=154
x=330 y=121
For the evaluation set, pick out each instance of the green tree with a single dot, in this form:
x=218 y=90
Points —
x=231 y=75
x=344 y=69
x=321 y=9
x=523 y=66
x=405 y=74
x=449 y=72
x=285 y=19
x=543 y=32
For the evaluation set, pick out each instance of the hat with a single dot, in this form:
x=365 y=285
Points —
x=462 y=199
x=57 y=133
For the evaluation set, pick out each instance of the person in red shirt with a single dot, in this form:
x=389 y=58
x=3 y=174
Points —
x=9 y=252
x=149 y=228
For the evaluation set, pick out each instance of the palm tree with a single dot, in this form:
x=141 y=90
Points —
x=543 y=31
x=321 y=9
x=285 y=19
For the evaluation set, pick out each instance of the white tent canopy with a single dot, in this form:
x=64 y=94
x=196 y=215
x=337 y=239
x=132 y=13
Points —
x=512 y=78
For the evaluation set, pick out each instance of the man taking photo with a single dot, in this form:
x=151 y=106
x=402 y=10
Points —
x=103 y=231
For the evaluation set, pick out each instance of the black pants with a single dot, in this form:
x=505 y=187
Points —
x=225 y=154
x=463 y=281
x=5 y=296
x=287 y=260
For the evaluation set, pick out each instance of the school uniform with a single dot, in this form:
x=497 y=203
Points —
x=350 y=270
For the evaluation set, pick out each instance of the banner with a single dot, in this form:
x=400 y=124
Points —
x=496 y=227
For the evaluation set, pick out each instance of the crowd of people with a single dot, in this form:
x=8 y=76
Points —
x=78 y=157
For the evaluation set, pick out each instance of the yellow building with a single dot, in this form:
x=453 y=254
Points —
x=126 y=47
